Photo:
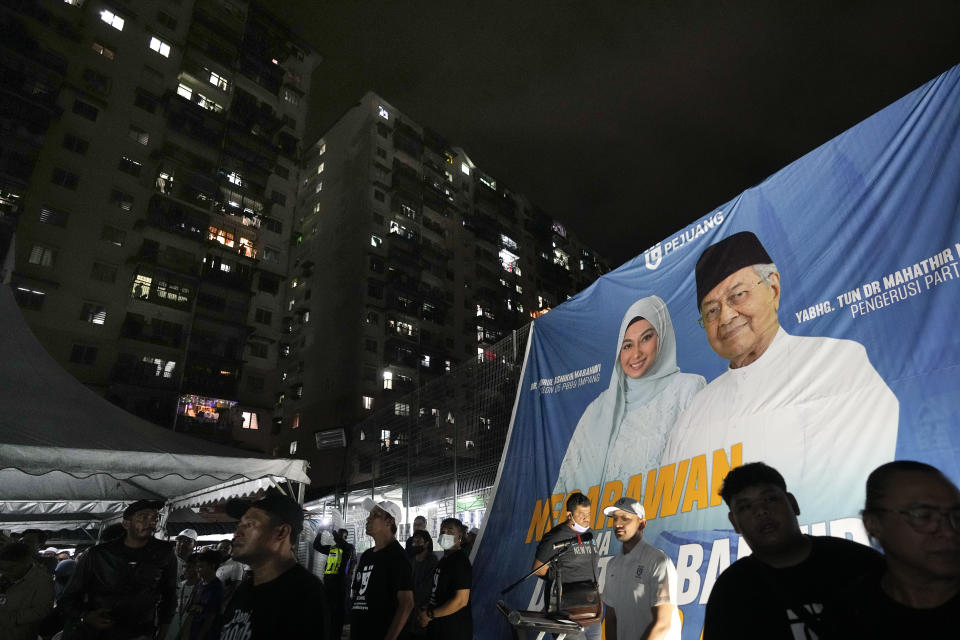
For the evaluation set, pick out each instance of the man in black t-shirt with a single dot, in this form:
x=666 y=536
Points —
x=448 y=615
x=281 y=599
x=784 y=588
x=579 y=564
x=382 y=591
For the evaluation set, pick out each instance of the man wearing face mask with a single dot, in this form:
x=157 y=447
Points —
x=576 y=566
x=448 y=615
x=420 y=552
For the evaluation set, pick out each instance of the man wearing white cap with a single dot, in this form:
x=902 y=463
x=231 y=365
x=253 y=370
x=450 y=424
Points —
x=640 y=590
x=185 y=543
x=382 y=592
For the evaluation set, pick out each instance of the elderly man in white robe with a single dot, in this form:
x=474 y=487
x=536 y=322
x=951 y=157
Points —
x=813 y=407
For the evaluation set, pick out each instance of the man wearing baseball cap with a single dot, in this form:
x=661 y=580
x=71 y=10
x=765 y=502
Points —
x=282 y=599
x=382 y=591
x=641 y=582
x=124 y=589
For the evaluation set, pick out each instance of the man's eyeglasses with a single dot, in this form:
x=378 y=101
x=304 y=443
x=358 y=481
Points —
x=710 y=314
x=928 y=519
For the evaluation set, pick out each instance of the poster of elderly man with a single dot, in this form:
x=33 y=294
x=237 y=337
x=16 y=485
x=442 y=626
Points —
x=809 y=323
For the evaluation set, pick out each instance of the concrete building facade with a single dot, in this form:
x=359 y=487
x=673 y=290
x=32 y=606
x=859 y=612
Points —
x=154 y=192
x=407 y=259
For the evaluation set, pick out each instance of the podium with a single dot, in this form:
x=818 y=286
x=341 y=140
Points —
x=522 y=622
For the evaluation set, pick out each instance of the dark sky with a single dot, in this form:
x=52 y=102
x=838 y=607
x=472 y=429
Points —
x=627 y=120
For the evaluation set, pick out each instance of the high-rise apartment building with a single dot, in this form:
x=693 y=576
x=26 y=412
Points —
x=153 y=160
x=406 y=259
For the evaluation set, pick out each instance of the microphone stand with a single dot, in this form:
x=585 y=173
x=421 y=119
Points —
x=551 y=562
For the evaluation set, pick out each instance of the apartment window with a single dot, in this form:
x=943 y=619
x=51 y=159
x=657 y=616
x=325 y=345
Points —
x=173 y=291
x=164 y=182
x=375 y=241
x=388 y=380
x=160 y=46
x=112 y=19
x=279 y=198
x=65 y=179
x=374 y=289
x=103 y=272
x=53 y=217
x=29 y=298
x=465 y=168
x=293 y=447
x=370 y=345
x=129 y=165
x=184 y=91
x=282 y=171
x=367 y=402
x=381 y=153
x=158 y=367
x=83 y=354
x=258 y=349
x=42 y=255
x=372 y=318
x=382 y=112
x=401 y=409
x=290 y=97
x=113 y=235
x=218 y=81
x=263 y=316
x=96 y=82
x=93 y=313
x=121 y=200
x=378 y=195
x=271 y=254
x=75 y=144
x=272 y=224
x=138 y=135
x=104 y=51
x=145 y=100
x=167 y=20
x=250 y=417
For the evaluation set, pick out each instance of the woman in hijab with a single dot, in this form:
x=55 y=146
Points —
x=624 y=430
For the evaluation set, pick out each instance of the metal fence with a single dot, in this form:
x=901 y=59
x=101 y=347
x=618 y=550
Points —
x=434 y=451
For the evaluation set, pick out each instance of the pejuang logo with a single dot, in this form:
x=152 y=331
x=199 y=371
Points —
x=655 y=255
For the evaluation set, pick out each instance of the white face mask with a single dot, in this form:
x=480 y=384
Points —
x=577 y=527
x=446 y=541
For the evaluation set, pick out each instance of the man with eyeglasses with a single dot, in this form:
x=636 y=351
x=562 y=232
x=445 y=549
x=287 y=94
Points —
x=813 y=407
x=913 y=511
x=124 y=589
x=791 y=583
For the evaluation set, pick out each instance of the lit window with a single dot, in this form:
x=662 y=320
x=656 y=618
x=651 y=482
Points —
x=250 y=420
x=383 y=113
x=319 y=187
x=425 y=361
x=323 y=149
x=388 y=380
x=104 y=51
x=367 y=403
x=184 y=91
x=375 y=241
x=320 y=168
x=235 y=178
x=218 y=81
x=160 y=46
x=293 y=447
x=139 y=135
x=401 y=409
x=464 y=168
x=295 y=421
x=112 y=19
x=93 y=313
x=42 y=256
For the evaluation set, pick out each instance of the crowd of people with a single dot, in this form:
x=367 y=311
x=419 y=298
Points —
x=134 y=586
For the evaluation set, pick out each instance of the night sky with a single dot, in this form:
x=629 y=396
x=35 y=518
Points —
x=627 y=120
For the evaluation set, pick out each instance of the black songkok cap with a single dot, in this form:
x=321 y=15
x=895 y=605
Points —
x=728 y=256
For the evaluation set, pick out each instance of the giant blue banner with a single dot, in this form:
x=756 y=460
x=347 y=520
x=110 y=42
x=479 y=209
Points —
x=865 y=235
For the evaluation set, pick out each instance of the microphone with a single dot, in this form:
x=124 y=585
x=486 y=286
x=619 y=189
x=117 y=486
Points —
x=580 y=539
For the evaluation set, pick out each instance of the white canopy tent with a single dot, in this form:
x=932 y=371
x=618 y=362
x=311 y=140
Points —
x=70 y=457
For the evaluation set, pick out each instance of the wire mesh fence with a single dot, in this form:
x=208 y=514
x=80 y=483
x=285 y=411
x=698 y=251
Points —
x=434 y=451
